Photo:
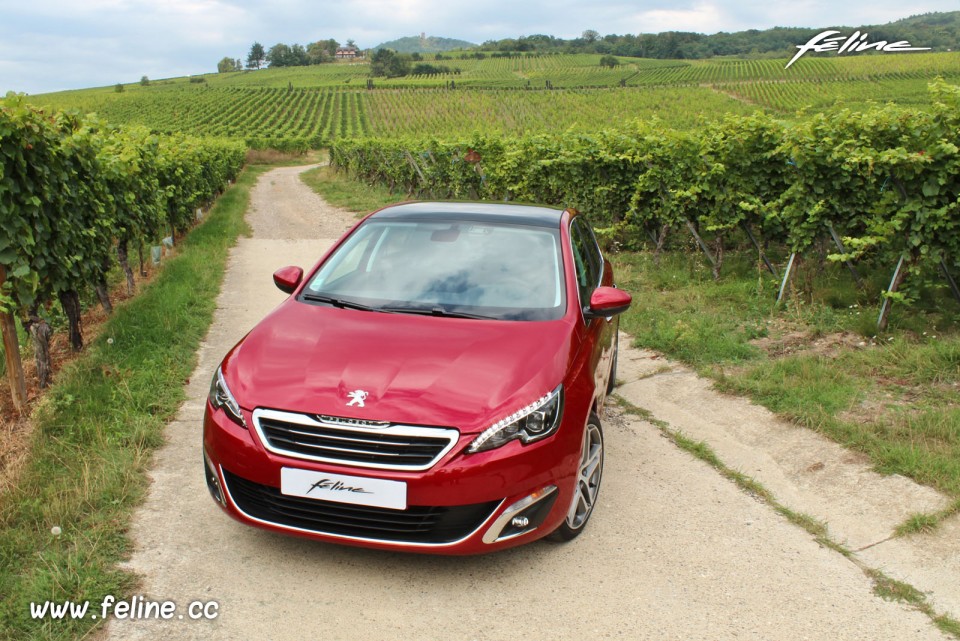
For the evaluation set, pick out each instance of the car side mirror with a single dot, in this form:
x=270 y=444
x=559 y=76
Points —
x=287 y=279
x=606 y=302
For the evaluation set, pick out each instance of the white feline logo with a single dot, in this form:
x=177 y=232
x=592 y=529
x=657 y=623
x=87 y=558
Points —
x=357 y=397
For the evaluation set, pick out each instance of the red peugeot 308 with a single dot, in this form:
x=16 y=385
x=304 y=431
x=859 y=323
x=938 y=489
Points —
x=433 y=385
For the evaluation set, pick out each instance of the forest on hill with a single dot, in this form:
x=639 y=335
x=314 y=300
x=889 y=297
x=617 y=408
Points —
x=938 y=31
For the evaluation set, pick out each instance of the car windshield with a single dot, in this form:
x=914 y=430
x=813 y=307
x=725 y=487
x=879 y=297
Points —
x=489 y=270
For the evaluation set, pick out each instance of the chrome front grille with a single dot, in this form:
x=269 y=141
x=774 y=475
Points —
x=358 y=443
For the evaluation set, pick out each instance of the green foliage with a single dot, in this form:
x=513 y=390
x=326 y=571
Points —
x=70 y=187
x=886 y=179
x=386 y=63
x=281 y=55
x=609 y=61
x=256 y=57
x=425 y=69
x=227 y=65
x=939 y=30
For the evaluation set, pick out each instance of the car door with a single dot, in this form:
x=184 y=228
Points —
x=592 y=271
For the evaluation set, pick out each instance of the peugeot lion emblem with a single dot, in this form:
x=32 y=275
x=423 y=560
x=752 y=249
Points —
x=357 y=397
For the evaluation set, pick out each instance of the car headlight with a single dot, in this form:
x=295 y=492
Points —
x=532 y=423
x=221 y=398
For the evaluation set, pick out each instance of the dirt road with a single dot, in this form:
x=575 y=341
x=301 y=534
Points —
x=674 y=551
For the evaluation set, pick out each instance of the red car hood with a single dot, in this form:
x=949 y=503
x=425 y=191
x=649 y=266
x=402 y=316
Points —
x=415 y=369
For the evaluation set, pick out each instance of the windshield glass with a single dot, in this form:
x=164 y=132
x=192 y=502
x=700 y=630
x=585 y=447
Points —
x=510 y=272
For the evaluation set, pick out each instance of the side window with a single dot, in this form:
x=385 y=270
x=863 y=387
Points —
x=587 y=259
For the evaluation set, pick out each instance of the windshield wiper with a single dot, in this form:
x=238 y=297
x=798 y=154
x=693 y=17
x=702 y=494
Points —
x=342 y=303
x=435 y=311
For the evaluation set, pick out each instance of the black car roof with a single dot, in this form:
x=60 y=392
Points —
x=475 y=212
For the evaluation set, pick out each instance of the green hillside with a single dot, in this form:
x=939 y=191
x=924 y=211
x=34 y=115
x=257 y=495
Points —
x=425 y=44
x=299 y=107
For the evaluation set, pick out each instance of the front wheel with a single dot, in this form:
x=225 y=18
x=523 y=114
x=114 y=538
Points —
x=587 y=489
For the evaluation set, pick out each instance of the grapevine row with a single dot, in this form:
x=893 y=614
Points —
x=886 y=178
x=76 y=194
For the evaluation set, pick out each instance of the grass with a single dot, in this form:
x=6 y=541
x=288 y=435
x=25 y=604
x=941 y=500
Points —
x=893 y=590
x=816 y=360
x=96 y=429
x=340 y=191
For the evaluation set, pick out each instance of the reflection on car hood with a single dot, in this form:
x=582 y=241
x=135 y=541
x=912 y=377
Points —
x=414 y=369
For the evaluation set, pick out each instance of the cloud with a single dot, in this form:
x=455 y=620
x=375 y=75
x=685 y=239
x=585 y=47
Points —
x=702 y=17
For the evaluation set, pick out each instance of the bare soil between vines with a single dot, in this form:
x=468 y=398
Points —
x=16 y=430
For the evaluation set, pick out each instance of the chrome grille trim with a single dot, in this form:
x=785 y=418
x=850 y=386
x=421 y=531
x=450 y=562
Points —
x=351 y=422
x=375 y=446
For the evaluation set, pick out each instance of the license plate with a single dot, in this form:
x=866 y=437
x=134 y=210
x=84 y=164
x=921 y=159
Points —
x=357 y=490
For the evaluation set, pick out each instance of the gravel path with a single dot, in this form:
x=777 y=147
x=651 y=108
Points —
x=674 y=551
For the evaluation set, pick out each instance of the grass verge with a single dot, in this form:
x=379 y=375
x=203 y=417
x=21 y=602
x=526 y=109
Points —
x=341 y=191
x=95 y=432
x=817 y=360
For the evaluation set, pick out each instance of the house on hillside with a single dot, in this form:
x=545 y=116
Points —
x=348 y=52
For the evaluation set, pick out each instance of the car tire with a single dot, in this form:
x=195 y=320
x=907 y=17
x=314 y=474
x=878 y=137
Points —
x=612 y=381
x=589 y=474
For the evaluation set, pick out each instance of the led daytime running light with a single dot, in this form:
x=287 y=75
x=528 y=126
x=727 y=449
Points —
x=222 y=397
x=520 y=414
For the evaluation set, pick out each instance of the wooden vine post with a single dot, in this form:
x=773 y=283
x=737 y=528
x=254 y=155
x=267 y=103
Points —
x=11 y=350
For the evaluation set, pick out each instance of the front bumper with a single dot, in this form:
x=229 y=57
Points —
x=464 y=504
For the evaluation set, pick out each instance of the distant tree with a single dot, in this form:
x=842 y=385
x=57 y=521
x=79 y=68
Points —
x=227 y=65
x=118 y=87
x=424 y=69
x=609 y=61
x=590 y=36
x=144 y=81
x=416 y=57
x=256 y=57
x=238 y=65
x=388 y=63
x=298 y=56
x=322 y=51
x=351 y=43
x=279 y=55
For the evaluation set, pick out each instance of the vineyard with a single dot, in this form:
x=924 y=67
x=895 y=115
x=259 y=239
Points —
x=76 y=196
x=886 y=180
x=298 y=108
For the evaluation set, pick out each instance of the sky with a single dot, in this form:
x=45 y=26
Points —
x=50 y=45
